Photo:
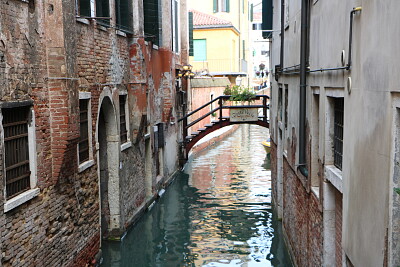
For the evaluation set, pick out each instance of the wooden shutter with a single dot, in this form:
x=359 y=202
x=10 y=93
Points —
x=227 y=6
x=267 y=17
x=124 y=14
x=151 y=22
x=84 y=8
x=215 y=6
x=102 y=10
x=191 y=53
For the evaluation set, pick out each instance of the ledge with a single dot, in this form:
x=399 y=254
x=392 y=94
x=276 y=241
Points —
x=21 y=199
x=315 y=190
x=120 y=33
x=334 y=176
x=85 y=165
x=126 y=145
x=82 y=20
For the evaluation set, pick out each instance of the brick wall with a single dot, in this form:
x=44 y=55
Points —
x=302 y=220
x=60 y=227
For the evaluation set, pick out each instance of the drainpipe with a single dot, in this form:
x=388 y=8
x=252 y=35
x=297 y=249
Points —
x=282 y=32
x=351 y=34
x=303 y=86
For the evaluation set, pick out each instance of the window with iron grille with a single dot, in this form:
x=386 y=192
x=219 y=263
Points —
x=122 y=119
x=286 y=105
x=338 y=132
x=16 y=146
x=280 y=102
x=103 y=10
x=124 y=14
x=152 y=21
x=83 y=147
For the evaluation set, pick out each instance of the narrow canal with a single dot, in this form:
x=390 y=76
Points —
x=216 y=213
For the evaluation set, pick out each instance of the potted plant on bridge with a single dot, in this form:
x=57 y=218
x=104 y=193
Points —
x=239 y=94
x=240 y=99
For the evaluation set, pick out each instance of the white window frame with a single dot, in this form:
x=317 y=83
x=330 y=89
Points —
x=176 y=36
x=87 y=164
x=34 y=191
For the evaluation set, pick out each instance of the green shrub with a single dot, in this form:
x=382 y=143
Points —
x=239 y=93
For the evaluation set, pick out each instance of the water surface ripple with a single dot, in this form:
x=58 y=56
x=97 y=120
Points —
x=217 y=213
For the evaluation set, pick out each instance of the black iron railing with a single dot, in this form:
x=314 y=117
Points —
x=224 y=103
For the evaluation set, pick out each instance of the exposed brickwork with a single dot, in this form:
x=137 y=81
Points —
x=338 y=227
x=302 y=220
x=48 y=57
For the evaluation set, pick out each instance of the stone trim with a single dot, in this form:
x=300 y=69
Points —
x=20 y=199
x=85 y=165
x=126 y=145
x=334 y=176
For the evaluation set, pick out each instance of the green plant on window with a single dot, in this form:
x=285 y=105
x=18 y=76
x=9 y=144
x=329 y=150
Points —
x=239 y=93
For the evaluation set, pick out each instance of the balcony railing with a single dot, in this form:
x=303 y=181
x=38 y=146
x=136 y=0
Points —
x=220 y=65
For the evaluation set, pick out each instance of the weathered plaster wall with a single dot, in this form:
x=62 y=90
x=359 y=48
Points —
x=368 y=121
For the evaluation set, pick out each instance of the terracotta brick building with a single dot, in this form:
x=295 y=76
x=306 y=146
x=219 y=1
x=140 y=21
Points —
x=88 y=103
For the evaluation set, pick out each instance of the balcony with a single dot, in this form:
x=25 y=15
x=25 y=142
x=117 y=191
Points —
x=220 y=65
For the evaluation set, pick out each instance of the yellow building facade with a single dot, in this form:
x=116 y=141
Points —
x=221 y=34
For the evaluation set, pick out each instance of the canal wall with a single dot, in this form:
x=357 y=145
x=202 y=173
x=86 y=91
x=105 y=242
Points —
x=213 y=138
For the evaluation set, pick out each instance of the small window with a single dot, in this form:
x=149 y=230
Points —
x=124 y=14
x=338 y=132
x=221 y=6
x=200 y=49
x=103 y=11
x=84 y=130
x=122 y=119
x=16 y=146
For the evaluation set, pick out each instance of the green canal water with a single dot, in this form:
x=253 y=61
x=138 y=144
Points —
x=217 y=212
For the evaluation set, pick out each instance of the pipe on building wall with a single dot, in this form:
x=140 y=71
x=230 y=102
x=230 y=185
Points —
x=302 y=165
x=356 y=9
x=282 y=33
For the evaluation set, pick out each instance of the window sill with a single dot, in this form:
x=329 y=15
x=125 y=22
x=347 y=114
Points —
x=83 y=21
x=334 y=176
x=85 y=165
x=126 y=145
x=315 y=190
x=21 y=199
x=120 y=33
x=102 y=28
x=155 y=47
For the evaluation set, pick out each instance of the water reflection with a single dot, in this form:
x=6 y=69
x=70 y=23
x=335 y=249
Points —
x=217 y=213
